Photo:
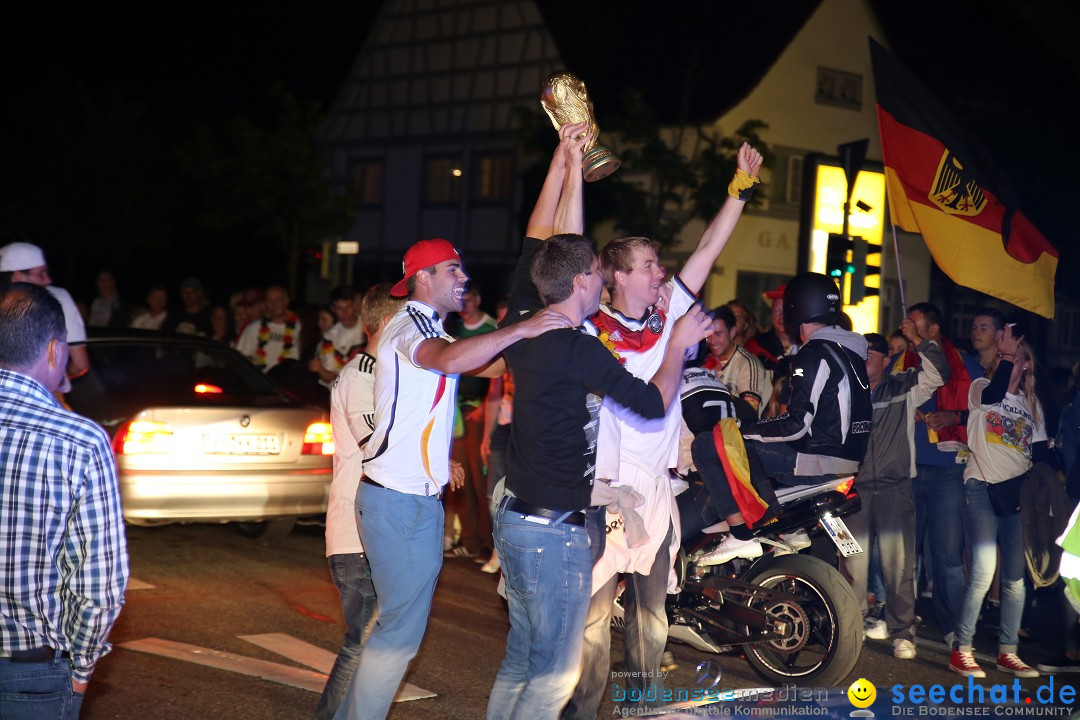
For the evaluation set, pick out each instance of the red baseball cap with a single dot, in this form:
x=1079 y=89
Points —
x=423 y=254
x=774 y=294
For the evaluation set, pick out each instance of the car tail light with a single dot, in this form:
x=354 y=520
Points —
x=207 y=388
x=843 y=487
x=144 y=437
x=318 y=439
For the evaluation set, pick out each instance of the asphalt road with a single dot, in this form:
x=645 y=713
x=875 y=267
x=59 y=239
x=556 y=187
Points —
x=210 y=588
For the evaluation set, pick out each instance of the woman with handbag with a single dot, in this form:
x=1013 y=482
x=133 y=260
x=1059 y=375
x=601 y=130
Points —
x=1005 y=421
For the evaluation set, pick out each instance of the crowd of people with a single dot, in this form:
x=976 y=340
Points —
x=550 y=442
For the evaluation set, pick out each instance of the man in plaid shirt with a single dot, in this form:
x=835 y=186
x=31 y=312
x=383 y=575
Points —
x=63 y=559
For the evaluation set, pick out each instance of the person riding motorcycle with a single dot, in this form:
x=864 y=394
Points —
x=826 y=429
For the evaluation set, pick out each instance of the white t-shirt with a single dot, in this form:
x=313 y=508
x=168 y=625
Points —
x=409 y=449
x=1000 y=435
x=248 y=343
x=352 y=420
x=653 y=445
x=146 y=321
x=76 y=330
x=339 y=345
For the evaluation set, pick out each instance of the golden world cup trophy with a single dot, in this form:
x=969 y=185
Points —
x=565 y=100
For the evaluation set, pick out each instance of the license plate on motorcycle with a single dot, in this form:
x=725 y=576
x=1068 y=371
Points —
x=843 y=539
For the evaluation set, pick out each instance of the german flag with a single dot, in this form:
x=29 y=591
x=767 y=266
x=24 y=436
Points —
x=943 y=184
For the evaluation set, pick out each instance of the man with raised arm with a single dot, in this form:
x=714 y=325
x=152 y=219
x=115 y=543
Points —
x=634 y=451
x=407 y=461
x=540 y=532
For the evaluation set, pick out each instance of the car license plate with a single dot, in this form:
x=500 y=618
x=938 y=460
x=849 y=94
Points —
x=241 y=444
x=841 y=536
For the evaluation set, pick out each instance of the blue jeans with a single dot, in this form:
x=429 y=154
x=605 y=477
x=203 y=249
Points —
x=402 y=536
x=645 y=613
x=352 y=576
x=985 y=534
x=924 y=553
x=943 y=486
x=38 y=691
x=548 y=571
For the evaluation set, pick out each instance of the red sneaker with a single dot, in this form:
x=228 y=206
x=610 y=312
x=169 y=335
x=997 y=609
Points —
x=1011 y=663
x=963 y=663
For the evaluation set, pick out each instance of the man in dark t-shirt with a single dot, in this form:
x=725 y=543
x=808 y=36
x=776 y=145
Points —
x=550 y=459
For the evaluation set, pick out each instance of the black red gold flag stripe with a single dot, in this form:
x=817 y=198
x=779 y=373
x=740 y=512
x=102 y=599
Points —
x=943 y=184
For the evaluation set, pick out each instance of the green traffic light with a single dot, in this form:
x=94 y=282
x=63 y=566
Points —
x=835 y=273
x=851 y=269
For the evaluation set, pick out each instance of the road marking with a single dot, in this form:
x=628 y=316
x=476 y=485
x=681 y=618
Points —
x=285 y=645
x=319 y=659
x=947 y=650
x=134 y=584
x=274 y=672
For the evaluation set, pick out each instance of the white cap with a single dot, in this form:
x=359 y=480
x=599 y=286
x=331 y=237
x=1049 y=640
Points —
x=20 y=256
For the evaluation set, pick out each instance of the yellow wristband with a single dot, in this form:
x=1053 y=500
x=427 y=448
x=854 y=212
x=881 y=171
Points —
x=742 y=185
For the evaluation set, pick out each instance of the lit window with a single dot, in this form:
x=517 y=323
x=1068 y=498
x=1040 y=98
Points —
x=443 y=180
x=494 y=177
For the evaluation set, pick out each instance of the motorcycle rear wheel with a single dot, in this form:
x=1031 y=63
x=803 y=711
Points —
x=828 y=623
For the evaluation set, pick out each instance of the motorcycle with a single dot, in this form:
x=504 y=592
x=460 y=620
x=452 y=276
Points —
x=794 y=616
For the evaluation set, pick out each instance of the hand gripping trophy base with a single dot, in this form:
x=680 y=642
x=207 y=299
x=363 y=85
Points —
x=598 y=163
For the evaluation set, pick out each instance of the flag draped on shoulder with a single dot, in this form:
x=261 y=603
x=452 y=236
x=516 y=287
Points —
x=942 y=184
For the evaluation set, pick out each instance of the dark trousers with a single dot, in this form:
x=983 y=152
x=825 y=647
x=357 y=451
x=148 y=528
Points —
x=887 y=514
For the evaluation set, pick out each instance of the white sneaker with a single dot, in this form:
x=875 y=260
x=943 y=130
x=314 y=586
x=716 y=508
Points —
x=903 y=649
x=793 y=543
x=730 y=548
x=875 y=629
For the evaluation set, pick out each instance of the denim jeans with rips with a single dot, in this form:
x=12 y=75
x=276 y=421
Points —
x=548 y=571
x=402 y=536
x=352 y=576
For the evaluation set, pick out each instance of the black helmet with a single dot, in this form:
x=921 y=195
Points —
x=811 y=297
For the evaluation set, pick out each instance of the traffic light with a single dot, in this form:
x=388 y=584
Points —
x=859 y=270
x=836 y=257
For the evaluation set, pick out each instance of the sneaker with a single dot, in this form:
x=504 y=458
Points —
x=668 y=663
x=492 y=565
x=799 y=540
x=903 y=649
x=963 y=663
x=1011 y=663
x=730 y=548
x=875 y=629
x=1060 y=664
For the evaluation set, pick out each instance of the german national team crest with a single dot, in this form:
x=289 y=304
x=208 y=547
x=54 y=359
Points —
x=655 y=323
x=954 y=190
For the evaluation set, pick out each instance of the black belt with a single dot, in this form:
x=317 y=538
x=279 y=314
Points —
x=35 y=655
x=517 y=505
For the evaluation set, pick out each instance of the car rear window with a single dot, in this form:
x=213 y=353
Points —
x=174 y=368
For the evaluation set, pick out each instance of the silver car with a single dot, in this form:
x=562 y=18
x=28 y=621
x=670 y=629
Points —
x=201 y=435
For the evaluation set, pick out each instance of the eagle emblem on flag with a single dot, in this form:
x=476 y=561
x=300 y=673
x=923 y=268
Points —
x=954 y=190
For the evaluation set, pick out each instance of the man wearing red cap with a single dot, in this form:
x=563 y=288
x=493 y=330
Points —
x=772 y=346
x=407 y=461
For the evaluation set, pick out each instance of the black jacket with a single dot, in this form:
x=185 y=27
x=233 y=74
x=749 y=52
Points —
x=830 y=412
